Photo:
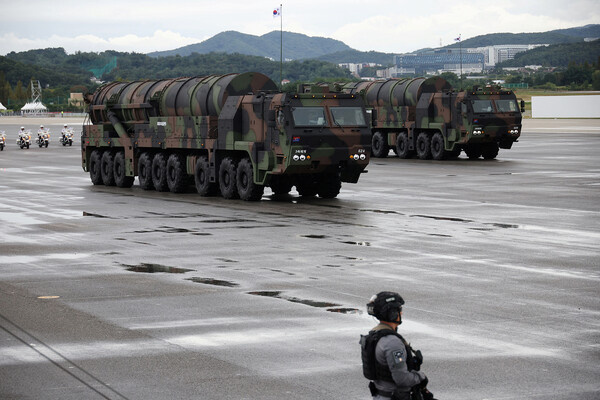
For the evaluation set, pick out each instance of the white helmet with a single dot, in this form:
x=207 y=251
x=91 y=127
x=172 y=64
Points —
x=22 y=128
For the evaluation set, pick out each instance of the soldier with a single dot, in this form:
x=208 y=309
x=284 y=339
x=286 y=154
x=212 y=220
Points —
x=389 y=362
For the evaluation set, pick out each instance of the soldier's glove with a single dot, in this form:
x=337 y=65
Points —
x=424 y=383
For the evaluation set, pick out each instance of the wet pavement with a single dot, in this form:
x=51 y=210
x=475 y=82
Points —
x=128 y=294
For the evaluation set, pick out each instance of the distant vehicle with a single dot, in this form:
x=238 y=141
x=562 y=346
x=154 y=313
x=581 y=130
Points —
x=427 y=118
x=2 y=140
x=234 y=133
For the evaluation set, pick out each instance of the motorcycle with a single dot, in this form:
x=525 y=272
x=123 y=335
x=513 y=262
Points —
x=24 y=139
x=43 y=138
x=67 y=137
x=2 y=140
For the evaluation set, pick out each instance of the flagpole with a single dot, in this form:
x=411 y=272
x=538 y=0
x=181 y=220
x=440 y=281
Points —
x=281 y=45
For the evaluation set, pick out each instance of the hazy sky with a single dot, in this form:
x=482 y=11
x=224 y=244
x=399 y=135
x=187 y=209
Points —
x=380 y=25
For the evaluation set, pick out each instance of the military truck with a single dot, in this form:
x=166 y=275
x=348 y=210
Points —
x=427 y=118
x=235 y=134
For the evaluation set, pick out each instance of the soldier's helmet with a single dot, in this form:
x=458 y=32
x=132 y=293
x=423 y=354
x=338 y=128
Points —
x=386 y=306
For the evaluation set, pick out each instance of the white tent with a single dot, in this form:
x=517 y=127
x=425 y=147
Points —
x=34 y=108
x=2 y=107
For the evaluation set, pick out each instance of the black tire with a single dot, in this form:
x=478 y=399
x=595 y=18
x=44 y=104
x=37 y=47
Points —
x=306 y=186
x=490 y=151
x=145 y=171
x=403 y=145
x=27 y=145
x=202 y=178
x=227 y=179
x=424 y=146
x=121 y=178
x=46 y=144
x=176 y=173
x=453 y=154
x=280 y=186
x=247 y=189
x=438 y=151
x=94 y=167
x=328 y=187
x=107 y=163
x=159 y=172
x=64 y=144
x=70 y=143
x=473 y=151
x=379 y=146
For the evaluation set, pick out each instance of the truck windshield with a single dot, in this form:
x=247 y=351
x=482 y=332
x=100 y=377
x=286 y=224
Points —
x=348 y=116
x=309 y=116
x=504 y=106
x=482 y=106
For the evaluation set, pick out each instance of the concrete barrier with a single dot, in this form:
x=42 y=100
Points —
x=583 y=106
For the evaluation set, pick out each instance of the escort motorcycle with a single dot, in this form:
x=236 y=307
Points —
x=67 y=137
x=24 y=139
x=43 y=139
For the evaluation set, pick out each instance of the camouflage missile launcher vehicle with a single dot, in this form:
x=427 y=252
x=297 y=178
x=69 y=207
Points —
x=234 y=134
x=426 y=118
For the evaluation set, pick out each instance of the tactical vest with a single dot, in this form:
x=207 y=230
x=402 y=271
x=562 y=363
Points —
x=372 y=369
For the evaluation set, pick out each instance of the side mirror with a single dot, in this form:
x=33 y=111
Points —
x=271 y=119
x=522 y=106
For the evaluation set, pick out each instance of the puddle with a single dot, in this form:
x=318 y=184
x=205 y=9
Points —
x=439 y=235
x=504 y=226
x=87 y=214
x=312 y=303
x=211 y=281
x=443 y=218
x=165 y=229
x=315 y=236
x=332 y=266
x=357 y=243
x=280 y=271
x=381 y=211
x=153 y=268
x=347 y=257
x=342 y=310
x=227 y=260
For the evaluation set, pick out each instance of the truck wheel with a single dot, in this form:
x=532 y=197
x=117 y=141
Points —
x=202 y=178
x=227 y=179
x=145 y=171
x=121 y=179
x=424 y=146
x=490 y=151
x=329 y=186
x=379 y=146
x=176 y=175
x=247 y=189
x=453 y=154
x=473 y=151
x=159 y=172
x=95 y=174
x=106 y=168
x=437 y=146
x=403 y=145
x=280 y=186
x=306 y=186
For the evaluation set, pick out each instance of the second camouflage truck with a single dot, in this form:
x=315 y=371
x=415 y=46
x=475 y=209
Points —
x=234 y=134
x=427 y=118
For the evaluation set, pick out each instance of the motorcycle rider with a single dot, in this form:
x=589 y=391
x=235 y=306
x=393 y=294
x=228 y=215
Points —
x=65 y=130
x=389 y=362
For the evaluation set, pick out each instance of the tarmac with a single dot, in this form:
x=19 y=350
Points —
x=109 y=293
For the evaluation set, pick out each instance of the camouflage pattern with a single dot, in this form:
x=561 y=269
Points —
x=427 y=118
x=208 y=128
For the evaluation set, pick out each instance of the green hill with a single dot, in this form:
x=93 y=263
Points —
x=295 y=46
